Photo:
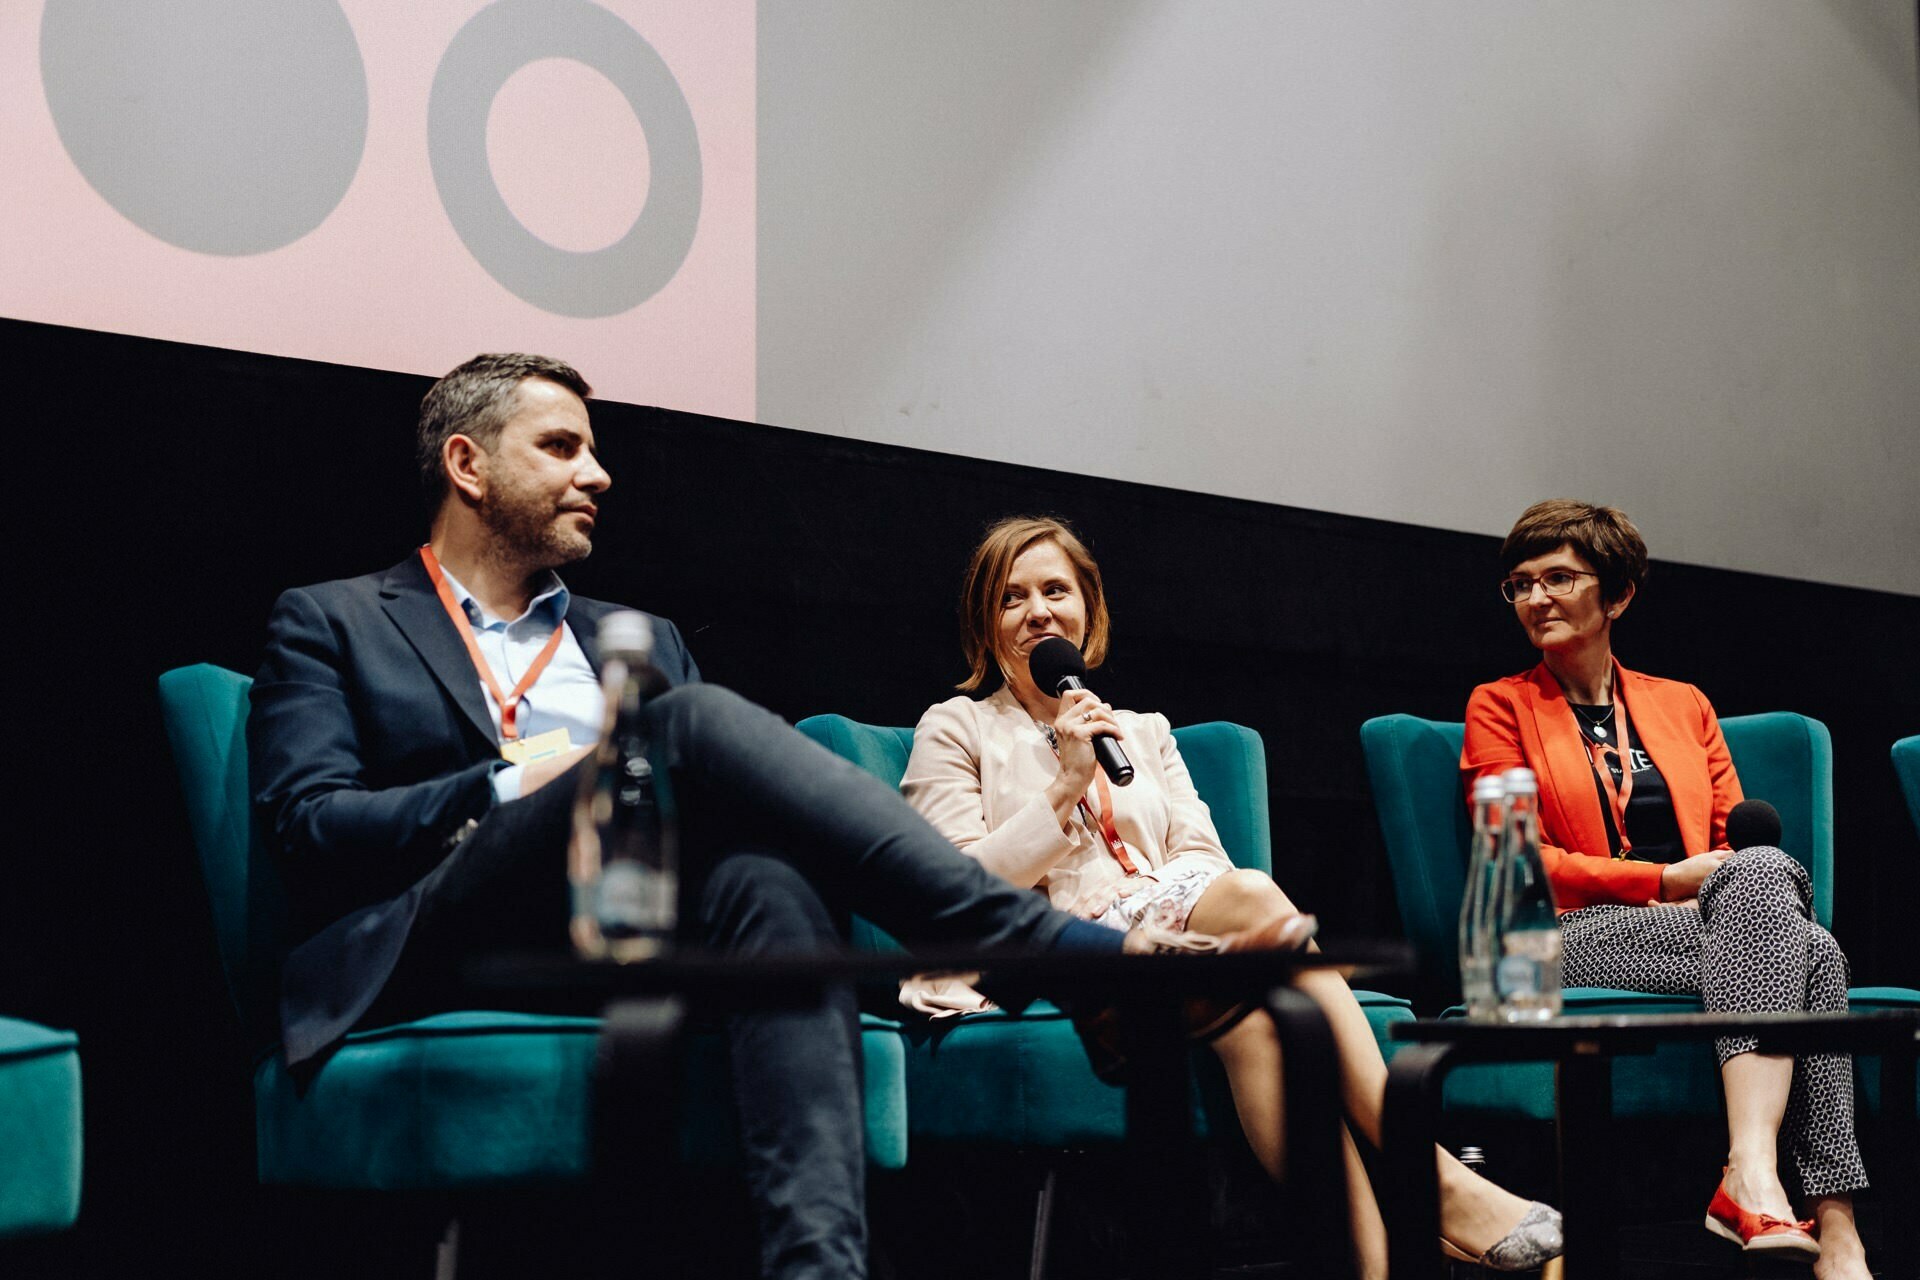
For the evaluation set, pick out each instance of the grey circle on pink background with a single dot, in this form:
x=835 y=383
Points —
x=222 y=126
x=484 y=54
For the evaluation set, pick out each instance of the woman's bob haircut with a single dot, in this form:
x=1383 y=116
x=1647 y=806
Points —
x=1602 y=536
x=986 y=583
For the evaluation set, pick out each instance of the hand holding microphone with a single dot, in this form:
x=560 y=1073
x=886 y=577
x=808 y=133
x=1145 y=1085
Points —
x=1082 y=720
x=1058 y=668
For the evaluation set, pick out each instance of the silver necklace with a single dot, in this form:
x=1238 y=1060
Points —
x=1597 y=724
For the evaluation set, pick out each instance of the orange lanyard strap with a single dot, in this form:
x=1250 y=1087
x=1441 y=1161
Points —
x=510 y=702
x=1618 y=793
x=1101 y=821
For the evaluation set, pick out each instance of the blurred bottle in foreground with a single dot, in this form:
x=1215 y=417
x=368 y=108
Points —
x=1476 y=904
x=1526 y=972
x=623 y=859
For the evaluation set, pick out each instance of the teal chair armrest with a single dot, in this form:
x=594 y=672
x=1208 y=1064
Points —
x=39 y=1129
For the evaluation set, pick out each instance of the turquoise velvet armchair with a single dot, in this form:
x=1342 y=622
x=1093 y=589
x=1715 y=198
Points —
x=459 y=1101
x=39 y=1129
x=1414 y=766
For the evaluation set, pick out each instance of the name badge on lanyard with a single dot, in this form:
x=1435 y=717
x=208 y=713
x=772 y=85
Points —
x=541 y=746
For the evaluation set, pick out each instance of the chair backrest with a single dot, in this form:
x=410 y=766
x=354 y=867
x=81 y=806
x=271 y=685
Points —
x=205 y=708
x=1228 y=763
x=1906 y=763
x=1414 y=766
x=1787 y=760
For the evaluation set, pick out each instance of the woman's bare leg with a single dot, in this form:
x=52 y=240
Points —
x=1250 y=1052
x=1363 y=1212
x=1842 y=1256
x=1474 y=1213
x=1756 y=1086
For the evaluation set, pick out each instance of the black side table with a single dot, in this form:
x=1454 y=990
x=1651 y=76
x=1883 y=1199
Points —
x=645 y=1007
x=1583 y=1050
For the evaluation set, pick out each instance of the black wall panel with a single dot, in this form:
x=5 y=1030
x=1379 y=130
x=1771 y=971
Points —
x=163 y=494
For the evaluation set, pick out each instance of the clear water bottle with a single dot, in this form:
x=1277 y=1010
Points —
x=1526 y=972
x=623 y=859
x=1477 y=944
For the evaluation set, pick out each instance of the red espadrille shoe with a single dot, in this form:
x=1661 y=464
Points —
x=1759 y=1232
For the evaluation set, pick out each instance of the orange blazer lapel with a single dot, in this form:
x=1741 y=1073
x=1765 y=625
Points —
x=1569 y=801
x=1666 y=725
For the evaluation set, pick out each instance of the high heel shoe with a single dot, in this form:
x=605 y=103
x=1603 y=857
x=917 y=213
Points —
x=1534 y=1240
x=1207 y=1017
x=1759 y=1233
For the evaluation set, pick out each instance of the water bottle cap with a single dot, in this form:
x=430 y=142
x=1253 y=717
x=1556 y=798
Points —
x=1520 y=782
x=1489 y=789
x=627 y=635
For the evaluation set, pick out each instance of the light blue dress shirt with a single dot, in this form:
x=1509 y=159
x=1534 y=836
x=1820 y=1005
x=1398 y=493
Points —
x=566 y=696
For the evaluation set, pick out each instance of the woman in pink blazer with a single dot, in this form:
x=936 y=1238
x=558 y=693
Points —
x=1011 y=780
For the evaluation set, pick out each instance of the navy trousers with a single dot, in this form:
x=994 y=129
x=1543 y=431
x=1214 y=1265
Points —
x=781 y=840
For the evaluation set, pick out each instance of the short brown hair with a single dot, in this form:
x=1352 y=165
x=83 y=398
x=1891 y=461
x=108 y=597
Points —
x=986 y=582
x=1603 y=536
x=475 y=400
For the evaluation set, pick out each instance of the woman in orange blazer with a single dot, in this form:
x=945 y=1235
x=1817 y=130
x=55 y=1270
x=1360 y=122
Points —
x=1651 y=897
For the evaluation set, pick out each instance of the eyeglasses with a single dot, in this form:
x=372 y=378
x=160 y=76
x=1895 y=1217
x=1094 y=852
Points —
x=1558 y=582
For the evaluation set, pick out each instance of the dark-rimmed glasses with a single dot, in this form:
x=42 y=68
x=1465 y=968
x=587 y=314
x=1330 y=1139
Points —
x=1555 y=582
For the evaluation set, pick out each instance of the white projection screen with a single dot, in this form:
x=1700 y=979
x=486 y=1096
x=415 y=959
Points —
x=1414 y=261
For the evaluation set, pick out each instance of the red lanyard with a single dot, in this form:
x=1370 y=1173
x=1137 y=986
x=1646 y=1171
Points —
x=1102 y=820
x=509 y=703
x=1103 y=823
x=1618 y=793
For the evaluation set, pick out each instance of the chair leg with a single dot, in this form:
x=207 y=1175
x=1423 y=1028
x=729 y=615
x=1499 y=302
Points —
x=1042 y=1226
x=446 y=1255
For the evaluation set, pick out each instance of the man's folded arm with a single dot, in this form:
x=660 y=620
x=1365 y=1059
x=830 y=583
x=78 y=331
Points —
x=309 y=772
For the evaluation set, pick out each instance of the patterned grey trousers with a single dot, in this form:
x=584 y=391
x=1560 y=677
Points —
x=1752 y=947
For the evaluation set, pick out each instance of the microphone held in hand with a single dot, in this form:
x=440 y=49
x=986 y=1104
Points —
x=1056 y=667
x=1752 y=823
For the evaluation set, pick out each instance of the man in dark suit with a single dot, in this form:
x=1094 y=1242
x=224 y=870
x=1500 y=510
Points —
x=414 y=741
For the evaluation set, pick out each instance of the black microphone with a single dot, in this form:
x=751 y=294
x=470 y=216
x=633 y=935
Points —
x=1056 y=666
x=1753 y=822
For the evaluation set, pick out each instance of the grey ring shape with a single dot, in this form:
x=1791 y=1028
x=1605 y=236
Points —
x=494 y=44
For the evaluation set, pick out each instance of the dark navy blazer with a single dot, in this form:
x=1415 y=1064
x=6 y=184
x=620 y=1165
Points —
x=371 y=749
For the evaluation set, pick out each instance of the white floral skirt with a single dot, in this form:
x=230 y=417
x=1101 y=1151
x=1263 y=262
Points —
x=1165 y=899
